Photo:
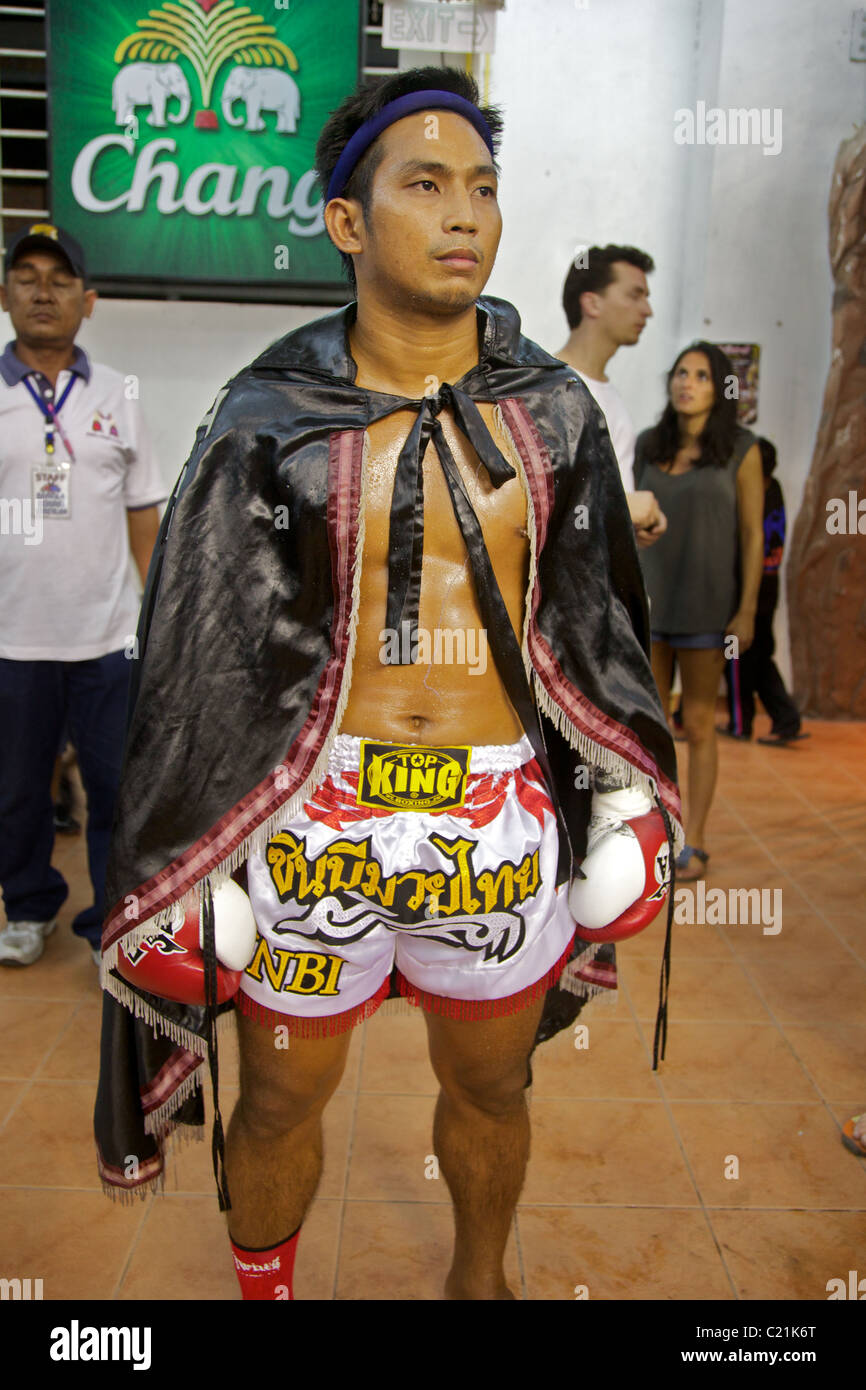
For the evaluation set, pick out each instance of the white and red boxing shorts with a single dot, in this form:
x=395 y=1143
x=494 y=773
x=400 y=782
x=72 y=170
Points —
x=439 y=861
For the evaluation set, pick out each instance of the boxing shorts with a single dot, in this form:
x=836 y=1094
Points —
x=436 y=863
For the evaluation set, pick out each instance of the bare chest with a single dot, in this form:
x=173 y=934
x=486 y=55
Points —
x=501 y=511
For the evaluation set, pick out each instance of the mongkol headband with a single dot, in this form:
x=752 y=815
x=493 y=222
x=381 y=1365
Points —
x=430 y=100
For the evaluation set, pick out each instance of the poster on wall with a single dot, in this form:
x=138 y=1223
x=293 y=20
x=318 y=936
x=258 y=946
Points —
x=746 y=361
x=182 y=139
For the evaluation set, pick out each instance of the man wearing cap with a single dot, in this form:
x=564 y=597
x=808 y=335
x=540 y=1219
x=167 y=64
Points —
x=381 y=497
x=79 y=490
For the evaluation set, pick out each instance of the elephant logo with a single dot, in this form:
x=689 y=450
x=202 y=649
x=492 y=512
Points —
x=262 y=90
x=149 y=84
x=207 y=35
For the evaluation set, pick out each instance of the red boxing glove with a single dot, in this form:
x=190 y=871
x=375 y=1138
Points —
x=627 y=869
x=170 y=963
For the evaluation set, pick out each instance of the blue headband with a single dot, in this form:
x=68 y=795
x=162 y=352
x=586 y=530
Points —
x=395 y=111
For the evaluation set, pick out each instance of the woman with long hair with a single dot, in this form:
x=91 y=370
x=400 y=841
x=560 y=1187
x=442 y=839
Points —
x=703 y=574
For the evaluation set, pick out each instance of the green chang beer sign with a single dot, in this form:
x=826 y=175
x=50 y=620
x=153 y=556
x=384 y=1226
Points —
x=183 y=139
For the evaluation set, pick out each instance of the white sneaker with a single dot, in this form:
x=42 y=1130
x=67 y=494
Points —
x=22 y=943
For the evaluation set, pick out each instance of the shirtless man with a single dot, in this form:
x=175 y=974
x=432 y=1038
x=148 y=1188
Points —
x=420 y=267
x=453 y=882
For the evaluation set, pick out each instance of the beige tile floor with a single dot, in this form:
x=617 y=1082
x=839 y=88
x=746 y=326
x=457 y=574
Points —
x=628 y=1193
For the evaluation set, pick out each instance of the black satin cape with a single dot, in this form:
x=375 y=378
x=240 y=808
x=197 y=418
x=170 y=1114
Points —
x=239 y=638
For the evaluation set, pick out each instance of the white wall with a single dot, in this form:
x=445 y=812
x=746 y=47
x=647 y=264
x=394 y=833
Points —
x=588 y=157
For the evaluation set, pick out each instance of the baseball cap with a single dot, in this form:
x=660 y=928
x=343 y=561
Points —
x=44 y=236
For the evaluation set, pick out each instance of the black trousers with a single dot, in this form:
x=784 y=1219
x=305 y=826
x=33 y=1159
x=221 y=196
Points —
x=756 y=673
x=38 y=700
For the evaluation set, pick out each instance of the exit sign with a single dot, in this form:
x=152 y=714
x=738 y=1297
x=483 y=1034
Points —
x=448 y=26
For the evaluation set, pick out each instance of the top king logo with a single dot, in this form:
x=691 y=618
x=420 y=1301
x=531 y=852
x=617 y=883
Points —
x=196 y=113
x=409 y=778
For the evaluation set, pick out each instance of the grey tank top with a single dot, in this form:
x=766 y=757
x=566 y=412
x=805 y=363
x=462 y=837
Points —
x=691 y=572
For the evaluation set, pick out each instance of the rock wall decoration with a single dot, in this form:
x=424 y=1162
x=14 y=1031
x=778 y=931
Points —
x=827 y=560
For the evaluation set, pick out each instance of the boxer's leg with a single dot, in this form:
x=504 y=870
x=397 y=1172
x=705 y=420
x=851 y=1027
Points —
x=481 y=1138
x=292 y=991
x=480 y=968
x=274 y=1142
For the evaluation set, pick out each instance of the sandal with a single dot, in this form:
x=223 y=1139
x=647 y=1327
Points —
x=850 y=1140
x=685 y=857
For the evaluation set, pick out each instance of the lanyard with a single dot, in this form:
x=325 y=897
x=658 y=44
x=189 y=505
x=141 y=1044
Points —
x=51 y=412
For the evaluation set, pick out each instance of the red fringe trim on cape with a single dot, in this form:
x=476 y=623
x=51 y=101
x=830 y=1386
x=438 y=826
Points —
x=601 y=973
x=145 y=1172
x=327 y=1027
x=484 y=1008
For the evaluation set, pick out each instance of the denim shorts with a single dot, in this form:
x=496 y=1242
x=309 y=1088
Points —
x=691 y=641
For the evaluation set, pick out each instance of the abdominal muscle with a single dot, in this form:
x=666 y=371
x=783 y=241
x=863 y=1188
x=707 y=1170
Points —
x=453 y=694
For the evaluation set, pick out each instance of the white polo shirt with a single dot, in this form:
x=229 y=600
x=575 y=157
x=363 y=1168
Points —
x=622 y=434
x=66 y=590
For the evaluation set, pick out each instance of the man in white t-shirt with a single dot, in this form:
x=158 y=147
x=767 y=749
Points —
x=606 y=302
x=79 y=494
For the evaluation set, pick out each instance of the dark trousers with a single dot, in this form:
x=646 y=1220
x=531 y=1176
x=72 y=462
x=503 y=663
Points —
x=38 y=700
x=756 y=673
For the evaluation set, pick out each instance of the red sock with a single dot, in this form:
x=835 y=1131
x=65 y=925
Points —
x=266 y=1275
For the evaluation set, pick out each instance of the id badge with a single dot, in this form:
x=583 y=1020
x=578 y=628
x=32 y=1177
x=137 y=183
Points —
x=50 y=483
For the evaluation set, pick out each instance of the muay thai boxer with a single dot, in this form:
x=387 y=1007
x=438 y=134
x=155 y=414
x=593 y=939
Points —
x=394 y=655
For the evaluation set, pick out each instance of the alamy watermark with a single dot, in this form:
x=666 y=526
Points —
x=731 y=907
x=20 y=516
x=444 y=646
x=77 y=1343
x=846 y=517
x=20 y=1289
x=855 y=1288
x=736 y=126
